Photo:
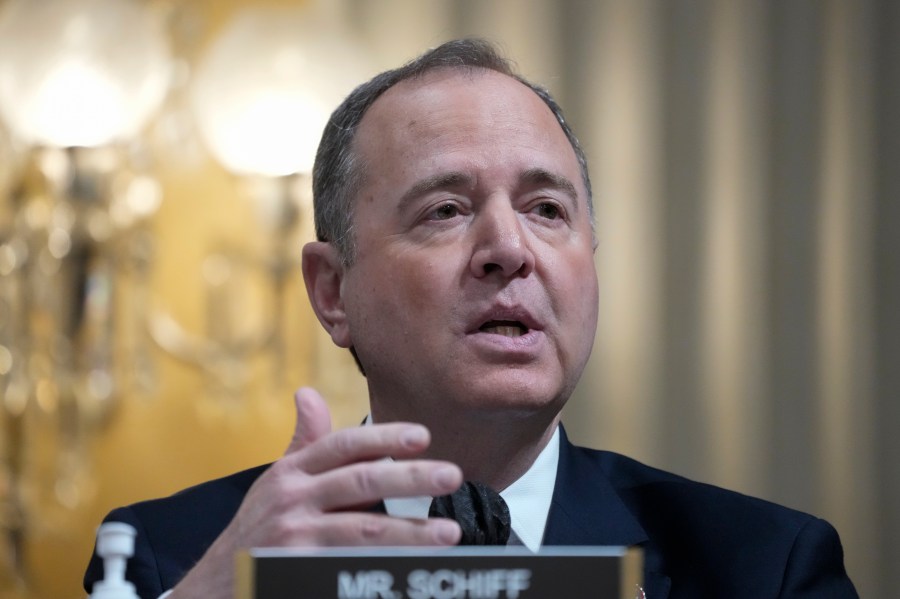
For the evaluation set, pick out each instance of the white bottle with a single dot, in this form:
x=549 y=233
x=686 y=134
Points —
x=115 y=544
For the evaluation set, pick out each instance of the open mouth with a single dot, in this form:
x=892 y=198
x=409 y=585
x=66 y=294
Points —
x=507 y=328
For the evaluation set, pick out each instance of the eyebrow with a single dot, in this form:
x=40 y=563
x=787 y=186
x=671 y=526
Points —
x=544 y=178
x=435 y=182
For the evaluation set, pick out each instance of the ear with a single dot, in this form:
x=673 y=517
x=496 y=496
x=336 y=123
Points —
x=323 y=273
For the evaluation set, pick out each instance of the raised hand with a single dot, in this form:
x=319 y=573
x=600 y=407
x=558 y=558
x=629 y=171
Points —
x=319 y=494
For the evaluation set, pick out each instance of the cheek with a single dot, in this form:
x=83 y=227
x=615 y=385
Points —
x=590 y=315
x=419 y=283
x=590 y=290
x=590 y=295
x=577 y=290
x=415 y=288
x=396 y=298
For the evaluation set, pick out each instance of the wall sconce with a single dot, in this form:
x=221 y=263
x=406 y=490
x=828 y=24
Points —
x=260 y=96
x=78 y=81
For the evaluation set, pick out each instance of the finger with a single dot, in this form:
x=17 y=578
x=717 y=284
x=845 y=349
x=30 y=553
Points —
x=350 y=529
x=313 y=419
x=368 y=482
x=361 y=443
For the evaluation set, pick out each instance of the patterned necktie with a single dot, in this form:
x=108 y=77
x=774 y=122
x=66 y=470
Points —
x=481 y=513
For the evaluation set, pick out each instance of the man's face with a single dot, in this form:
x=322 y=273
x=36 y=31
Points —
x=473 y=290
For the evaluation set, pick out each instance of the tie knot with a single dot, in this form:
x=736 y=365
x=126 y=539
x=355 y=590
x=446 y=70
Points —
x=480 y=511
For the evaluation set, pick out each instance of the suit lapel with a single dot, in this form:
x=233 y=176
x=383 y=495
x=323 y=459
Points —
x=587 y=510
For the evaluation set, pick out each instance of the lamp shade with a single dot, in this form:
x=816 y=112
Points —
x=266 y=86
x=79 y=72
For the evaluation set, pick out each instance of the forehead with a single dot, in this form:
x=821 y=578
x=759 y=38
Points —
x=475 y=88
x=472 y=116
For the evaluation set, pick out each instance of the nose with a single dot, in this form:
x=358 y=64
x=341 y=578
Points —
x=501 y=243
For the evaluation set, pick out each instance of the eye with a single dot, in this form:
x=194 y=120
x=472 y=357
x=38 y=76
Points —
x=548 y=210
x=444 y=212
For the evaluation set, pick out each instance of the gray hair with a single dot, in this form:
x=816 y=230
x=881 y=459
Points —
x=337 y=174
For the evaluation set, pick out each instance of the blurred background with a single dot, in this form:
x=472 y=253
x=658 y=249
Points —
x=154 y=194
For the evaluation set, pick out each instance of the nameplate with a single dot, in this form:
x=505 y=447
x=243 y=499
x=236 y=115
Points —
x=454 y=573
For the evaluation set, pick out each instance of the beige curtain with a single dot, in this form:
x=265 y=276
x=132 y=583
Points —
x=742 y=154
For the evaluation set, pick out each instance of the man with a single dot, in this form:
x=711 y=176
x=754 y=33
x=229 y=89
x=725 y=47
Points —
x=455 y=260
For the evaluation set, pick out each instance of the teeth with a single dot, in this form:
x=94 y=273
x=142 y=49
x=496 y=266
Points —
x=505 y=330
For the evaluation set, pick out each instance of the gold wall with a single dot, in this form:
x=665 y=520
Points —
x=186 y=429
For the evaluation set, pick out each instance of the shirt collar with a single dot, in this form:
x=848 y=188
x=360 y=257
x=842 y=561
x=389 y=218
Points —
x=528 y=497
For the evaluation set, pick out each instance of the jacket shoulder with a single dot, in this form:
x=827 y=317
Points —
x=732 y=540
x=660 y=496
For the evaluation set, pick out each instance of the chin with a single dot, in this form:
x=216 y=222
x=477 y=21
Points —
x=512 y=397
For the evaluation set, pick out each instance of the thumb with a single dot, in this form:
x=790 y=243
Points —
x=313 y=419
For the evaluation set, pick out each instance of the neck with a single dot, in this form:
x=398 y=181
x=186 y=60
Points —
x=494 y=449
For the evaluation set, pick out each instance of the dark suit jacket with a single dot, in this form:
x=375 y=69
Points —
x=698 y=540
